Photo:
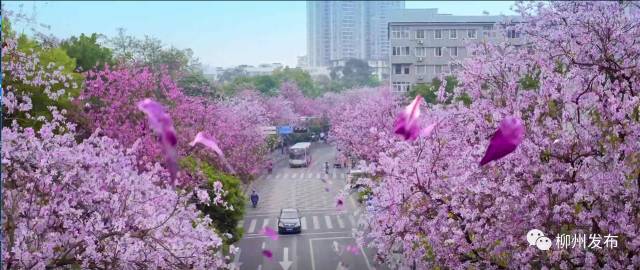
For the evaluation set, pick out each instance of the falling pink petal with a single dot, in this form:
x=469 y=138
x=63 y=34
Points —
x=271 y=233
x=427 y=131
x=352 y=249
x=162 y=125
x=208 y=141
x=505 y=140
x=267 y=253
x=407 y=124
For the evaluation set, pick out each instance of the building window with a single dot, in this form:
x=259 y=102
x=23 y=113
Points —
x=471 y=33
x=438 y=69
x=453 y=51
x=421 y=51
x=421 y=69
x=397 y=69
x=437 y=34
x=438 y=51
x=401 y=51
x=396 y=33
x=420 y=34
x=400 y=33
x=513 y=34
x=401 y=86
x=453 y=34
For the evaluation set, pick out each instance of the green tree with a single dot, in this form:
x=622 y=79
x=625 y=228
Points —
x=196 y=84
x=224 y=219
x=301 y=77
x=354 y=73
x=429 y=91
x=39 y=99
x=87 y=52
x=266 y=84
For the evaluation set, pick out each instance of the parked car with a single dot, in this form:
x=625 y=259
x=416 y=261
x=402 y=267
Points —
x=289 y=221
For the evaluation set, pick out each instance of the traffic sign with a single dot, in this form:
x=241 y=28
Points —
x=285 y=130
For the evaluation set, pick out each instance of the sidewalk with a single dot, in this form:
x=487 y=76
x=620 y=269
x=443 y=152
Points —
x=276 y=157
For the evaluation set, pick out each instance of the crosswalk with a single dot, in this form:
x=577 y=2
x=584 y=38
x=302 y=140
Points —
x=305 y=175
x=318 y=222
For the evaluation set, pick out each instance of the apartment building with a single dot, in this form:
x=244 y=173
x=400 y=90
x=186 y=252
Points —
x=340 y=30
x=425 y=44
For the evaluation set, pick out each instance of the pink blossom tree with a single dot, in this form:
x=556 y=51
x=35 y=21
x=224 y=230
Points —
x=362 y=121
x=111 y=95
x=69 y=204
x=575 y=86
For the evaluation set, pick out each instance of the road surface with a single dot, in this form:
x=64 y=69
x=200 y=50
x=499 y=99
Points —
x=324 y=227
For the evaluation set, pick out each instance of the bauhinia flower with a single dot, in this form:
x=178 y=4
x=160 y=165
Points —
x=269 y=232
x=407 y=123
x=427 y=131
x=505 y=140
x=268 y=254
x=209 y=142
x=161 y=123
x=206 y=140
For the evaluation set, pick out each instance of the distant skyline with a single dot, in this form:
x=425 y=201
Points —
x=220 y=33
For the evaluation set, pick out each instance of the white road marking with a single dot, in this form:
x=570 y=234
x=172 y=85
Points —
x=366 y=260
x=265 y=223
x=264 y=244
x=352 y=220
x=327 y=219
x=340 y=222
x=252 y=226
x=303 y=223
x=285 y=263
x=313 y=263
x=316 y=223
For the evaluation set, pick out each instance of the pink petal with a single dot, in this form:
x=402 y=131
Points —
x=427 y=131
x=505 y=140
x=406 y=123
x=208 y=141
x=353 y=249
x=162 y=125
x=159 y=120
x=271 y=233
x=267 y=253
x=413 y=110
x=326 y=189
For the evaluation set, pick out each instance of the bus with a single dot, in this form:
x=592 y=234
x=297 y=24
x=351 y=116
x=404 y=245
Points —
x=300 y=155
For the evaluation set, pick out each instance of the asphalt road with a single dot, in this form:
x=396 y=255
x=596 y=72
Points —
x=326 y=231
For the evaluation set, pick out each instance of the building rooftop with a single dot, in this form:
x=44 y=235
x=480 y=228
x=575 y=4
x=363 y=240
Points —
x=431 y=15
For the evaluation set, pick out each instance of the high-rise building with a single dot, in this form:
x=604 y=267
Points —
x=340 y=30
x=425 y=44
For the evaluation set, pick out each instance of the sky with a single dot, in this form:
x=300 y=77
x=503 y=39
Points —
x=221 y=33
